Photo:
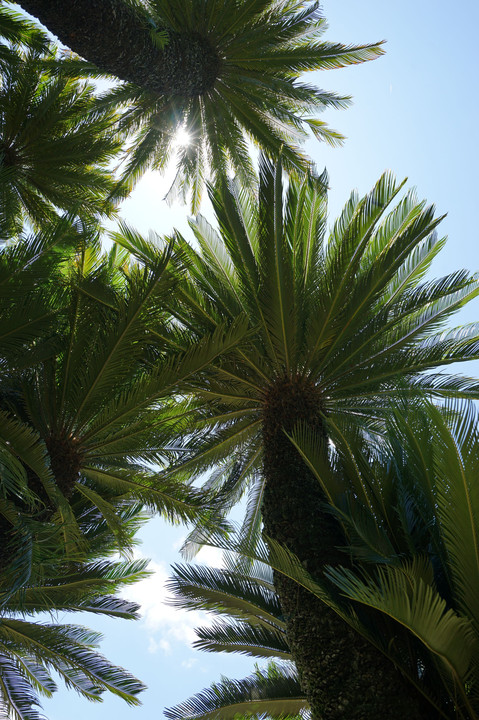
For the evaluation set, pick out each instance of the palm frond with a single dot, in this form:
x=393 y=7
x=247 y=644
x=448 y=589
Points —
x=69 y=650
x=416 y=605
x=243 y=638
x=242 y=596
x=274 y=693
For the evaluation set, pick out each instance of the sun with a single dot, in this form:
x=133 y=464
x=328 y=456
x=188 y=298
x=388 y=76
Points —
x=182 y=138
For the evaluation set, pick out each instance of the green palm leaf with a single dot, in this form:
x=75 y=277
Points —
x=272 y=693
x=416 y=605
x=242 y=638
x=56 y=146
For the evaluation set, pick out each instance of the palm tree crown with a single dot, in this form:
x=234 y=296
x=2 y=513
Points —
x=55 y=146
x=87 y=392
x=258 y=50
x=338 y=318
x=226 y=72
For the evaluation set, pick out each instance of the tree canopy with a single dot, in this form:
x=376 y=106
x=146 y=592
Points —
x=295 y=363
x=225 y=72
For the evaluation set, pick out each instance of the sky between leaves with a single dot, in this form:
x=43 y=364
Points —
x=415 y=112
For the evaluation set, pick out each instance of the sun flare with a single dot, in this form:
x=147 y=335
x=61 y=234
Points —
x=182 y=138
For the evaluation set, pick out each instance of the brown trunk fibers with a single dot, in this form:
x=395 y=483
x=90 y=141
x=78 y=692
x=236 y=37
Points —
x=115 y=37
x=65 y=462
x=342 y=674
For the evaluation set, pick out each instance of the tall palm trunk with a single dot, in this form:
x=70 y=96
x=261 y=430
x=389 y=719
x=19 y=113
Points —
x=342 y=674
x=115 y=37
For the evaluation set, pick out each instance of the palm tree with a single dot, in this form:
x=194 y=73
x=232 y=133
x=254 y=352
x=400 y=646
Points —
x=407 y=506
x=31 y=297
x=337 y=321
x=55 y=146
x=89 y=417
x=254 y=626
x=30 y=649
x=92 y=404
x=216 y=68
x=408 y=509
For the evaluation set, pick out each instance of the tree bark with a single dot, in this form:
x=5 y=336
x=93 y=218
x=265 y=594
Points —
x=342 y=674
x=118 y=40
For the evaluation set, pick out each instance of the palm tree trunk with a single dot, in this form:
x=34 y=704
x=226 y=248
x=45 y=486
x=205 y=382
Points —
x=342 y=674
x=118 y=40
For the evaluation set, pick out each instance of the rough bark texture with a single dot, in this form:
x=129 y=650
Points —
x=118 y=40
x=65 y=460
x=342 y=674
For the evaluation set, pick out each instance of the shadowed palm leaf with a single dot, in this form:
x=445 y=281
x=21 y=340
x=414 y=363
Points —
x=256 y=52
x=225 y=73
x=253 y=626
x=274 y=692
x=249 y=598
x=408 y=507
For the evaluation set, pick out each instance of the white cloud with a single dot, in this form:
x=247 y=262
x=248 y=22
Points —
x=162 y=644
x=152 y=646
x=208 y=555
x=165 y=624
x=211 y=556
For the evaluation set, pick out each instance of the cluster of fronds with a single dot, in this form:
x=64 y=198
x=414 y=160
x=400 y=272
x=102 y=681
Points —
x=253 y=626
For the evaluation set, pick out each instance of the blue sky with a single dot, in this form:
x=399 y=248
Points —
x=415 y=112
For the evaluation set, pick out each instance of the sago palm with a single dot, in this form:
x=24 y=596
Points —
x=88 y=418
x=221 y=70
x=32 y=293
x=55 y=146
x=337 y=320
